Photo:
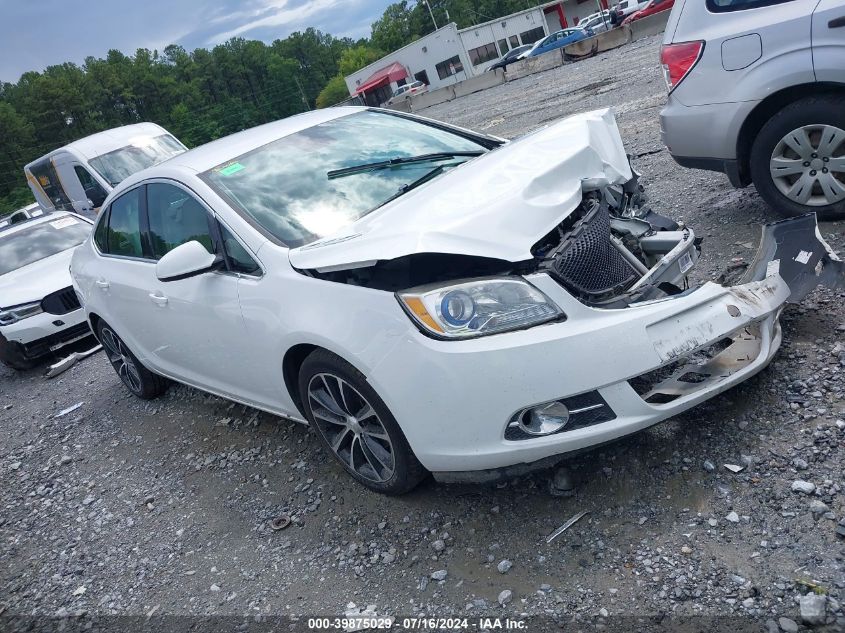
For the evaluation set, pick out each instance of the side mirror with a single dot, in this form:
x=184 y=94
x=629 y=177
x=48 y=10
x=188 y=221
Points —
x=186 y=260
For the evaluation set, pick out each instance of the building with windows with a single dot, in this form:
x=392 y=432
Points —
x=449 y=55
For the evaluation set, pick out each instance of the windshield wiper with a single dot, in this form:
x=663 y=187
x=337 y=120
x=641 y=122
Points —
x=429 y=175
x=393 y=162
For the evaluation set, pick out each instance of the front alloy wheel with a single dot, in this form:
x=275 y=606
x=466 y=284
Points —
x=352 y=427
x=355 y=425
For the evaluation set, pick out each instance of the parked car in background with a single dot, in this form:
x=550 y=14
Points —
x=511 y=56
x=557 y=40
x=757 y=91
x=428 y=298
x=79 y=176
x=21 y=215
x=654 y=6
x=407 y=91
x=597 y=22
x=39 y=310
x=627 y=7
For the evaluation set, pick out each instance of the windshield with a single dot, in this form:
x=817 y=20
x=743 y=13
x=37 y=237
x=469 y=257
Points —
x=141 y=153
x=284 y=186
x=33 y=243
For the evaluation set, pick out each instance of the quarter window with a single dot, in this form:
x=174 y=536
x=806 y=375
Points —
x=240 y=260
x=124 y=233
x=175 y=217
x=101 y=233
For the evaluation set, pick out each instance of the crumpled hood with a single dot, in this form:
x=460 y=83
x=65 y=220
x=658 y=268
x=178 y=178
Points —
x=497 y=205
x=35 y=281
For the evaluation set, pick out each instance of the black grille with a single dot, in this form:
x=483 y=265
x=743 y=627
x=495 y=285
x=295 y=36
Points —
x=588 y=262
x=60 y=302
x=42 y=346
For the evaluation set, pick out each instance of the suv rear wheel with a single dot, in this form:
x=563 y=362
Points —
x=798 y=158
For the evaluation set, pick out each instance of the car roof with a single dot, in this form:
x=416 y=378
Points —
x=107 y=141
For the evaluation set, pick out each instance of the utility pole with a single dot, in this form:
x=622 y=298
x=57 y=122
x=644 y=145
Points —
x=431 y=13
x=302 y=92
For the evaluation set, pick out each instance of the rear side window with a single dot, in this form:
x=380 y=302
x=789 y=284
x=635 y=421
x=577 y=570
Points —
x=101 y=233
x=723 y=6
x=176 y=217
x=124 y=233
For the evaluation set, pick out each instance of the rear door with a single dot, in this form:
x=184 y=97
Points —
x=829 y=41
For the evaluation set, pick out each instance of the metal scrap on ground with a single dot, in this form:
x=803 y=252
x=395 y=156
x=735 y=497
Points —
x=566 y=526
x=66 y=363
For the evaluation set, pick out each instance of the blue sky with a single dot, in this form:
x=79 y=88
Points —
x=38 y=33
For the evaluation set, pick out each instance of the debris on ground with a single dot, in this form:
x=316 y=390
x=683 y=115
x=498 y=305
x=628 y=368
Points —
x=566 y=526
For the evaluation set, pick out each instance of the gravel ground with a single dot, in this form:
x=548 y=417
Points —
x=128 y=508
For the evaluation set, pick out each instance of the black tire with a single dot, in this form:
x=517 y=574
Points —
x=407 y=472
x=138 y=379
x=817 y=110
x=12 y=357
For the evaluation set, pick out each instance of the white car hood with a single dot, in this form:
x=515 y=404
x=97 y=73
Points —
x=37 y=280
x=497 y=205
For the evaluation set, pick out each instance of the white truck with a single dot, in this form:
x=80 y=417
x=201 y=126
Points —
x=79 y=176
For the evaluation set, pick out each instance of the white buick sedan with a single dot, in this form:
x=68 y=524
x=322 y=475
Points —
x=429 y=299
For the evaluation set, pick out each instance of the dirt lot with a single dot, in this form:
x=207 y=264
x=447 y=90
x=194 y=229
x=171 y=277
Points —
x=128 y=508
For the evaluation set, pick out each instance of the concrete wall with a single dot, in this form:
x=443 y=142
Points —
x=460 y=89
x=598 y=44
x=537 y=64
x=652 y=25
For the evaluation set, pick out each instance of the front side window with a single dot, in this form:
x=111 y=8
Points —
x=34 y=243
x=285 y=187
x=142 y=152
x=45 y=174
x=95 y=192
x=124 y=232
x=176 y=218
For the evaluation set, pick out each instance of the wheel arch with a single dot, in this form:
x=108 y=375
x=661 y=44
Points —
x=766 y=109
x=291 y=364
x=94 y=320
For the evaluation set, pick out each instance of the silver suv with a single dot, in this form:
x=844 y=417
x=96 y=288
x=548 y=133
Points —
x=757 y=91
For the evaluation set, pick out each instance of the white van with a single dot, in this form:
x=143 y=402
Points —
x=79 y=176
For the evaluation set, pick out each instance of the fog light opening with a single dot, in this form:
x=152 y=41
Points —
x=544 y=419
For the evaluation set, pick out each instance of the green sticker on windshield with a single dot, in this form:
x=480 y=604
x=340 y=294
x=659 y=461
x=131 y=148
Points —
x=234 y=168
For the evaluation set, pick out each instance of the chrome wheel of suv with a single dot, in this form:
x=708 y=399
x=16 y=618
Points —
x=808 y=165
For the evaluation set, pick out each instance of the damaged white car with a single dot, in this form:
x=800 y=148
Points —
x=429 y=299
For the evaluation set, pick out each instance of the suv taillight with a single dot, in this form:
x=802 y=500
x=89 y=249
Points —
x=677 y=60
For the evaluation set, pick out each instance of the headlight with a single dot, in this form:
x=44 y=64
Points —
x=17 y=313
x=477 y=308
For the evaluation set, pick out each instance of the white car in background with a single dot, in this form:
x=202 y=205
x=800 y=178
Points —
x=407 y=91
x=627 y=7
x=429 y=299
x=597 y=22
x=39 y=311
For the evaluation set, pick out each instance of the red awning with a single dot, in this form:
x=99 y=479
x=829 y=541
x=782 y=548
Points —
x=394 y=72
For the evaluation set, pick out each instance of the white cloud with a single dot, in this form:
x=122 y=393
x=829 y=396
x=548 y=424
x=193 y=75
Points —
x=279 y=14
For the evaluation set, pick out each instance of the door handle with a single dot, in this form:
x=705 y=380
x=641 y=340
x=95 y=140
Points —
x=836 y=23
x=102 y=284
x=159 y=300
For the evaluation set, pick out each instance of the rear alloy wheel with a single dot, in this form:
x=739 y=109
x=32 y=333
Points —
x=355 y=425
x=798 y=159
x=137 y=378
